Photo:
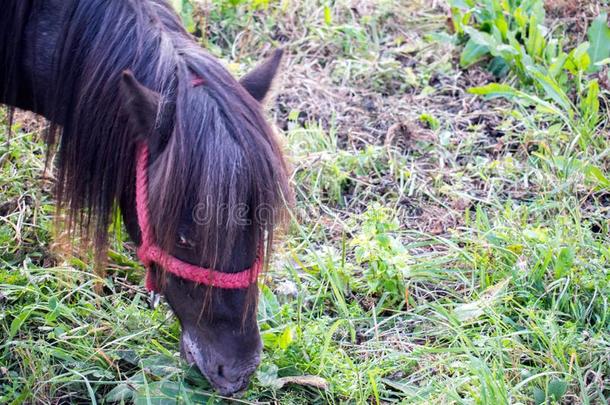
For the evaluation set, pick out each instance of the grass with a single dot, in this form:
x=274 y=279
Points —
x=445 y=248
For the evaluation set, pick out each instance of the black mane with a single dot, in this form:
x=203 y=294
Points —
x=218 y=142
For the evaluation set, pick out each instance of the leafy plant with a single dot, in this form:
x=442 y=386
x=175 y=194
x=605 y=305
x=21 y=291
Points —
x=510 y=32
x=518 y=44
x=383 y=256
x=599 y=37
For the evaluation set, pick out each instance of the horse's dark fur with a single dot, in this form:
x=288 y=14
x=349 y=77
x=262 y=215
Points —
x=212 y=150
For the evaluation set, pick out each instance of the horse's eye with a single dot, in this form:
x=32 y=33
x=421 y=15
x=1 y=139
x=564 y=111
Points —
x=185 y=243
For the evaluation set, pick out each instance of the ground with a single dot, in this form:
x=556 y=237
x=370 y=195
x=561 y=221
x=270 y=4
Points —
x=444 y=247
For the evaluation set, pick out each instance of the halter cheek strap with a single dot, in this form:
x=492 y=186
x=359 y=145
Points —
x=149 y=252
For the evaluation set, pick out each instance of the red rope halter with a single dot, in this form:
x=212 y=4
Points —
x=149 y=252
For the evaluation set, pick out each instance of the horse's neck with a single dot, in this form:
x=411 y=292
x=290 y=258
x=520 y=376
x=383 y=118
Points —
x=34 y=59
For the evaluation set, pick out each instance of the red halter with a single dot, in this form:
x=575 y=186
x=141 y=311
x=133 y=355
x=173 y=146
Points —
x=149 y=252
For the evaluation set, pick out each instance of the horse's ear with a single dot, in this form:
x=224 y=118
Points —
x=139 y=104
x=259 y=81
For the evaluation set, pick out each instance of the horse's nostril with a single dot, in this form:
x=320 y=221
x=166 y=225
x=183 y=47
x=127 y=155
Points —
x=221 y=371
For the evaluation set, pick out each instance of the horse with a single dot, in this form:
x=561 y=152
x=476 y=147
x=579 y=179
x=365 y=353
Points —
x=145 y=123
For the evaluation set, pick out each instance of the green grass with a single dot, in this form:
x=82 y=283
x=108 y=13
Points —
x=444 y=248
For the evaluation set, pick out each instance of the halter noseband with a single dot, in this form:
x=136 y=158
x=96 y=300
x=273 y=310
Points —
x=149 y=252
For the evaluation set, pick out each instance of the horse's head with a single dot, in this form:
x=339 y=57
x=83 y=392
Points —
x=216 y=186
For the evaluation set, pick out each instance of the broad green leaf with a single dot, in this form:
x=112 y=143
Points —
x=169 y=393
x=579 y=59
x=589 y=105
x=481 y=38
x=502 y=25
x=599 y=37
x=121 y=393
x=552 y=89
x=494 y=90
x=267 y=376
x=160 y=366
x=268 y=306
x=286 y=338
x=520 y=18
x=498 y=67
x=582 y=56
x=497 y=34
x=552 y=50
x=505 y=51
x=535 y=43
x=473 y=310
x=539 y=396
x=595 y=174
x=442 y=37
x=18 y=322
x=557 y=66
x=472 y=54
x=557 y=389
x=564 y=262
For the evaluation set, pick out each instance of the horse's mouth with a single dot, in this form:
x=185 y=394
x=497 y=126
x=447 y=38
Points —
x=194 y=357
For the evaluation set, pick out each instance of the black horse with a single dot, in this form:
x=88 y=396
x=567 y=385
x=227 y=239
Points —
x=113 y=74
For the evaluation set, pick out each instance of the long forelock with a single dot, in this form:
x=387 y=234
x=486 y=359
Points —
x=223 y=155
